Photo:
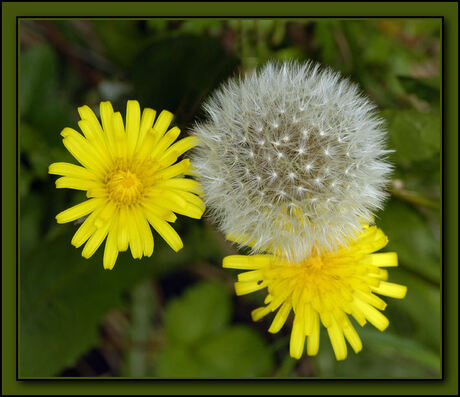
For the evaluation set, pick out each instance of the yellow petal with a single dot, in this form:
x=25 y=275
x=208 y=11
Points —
x=245 y=262
x=371 y=299
x=352 y=336
x=191 y=211
x=136 y=243
x=358 y=315
x=163 y=122
x=313 y=337
x=174 y=170
x=123 y=238
x=87 y=114
x=372 y=240
x=95 y=241
x=160 y=212
x=79 y=148
x=383 y=259
x=297 y=342
x=148 y=116
x=280 y=318
x=166 y=232
x=308 y=315
x=119 y=135
x=253 y=275
x=193 y=199
x=377 y=319
x=145 y=150
x=168 y=199
x=71 y=170
x=246 y=287
x=145 y=231
x=179 y=148
x=337 y=341
x=78 y=211
x=259 y=313
x=165 y=142
x=183 y=184
x=133 y=119
x=390 y=289
x=86 y=229
x=97 y=140
x=66 y=182
x=240 y=239
x=111 y=247
x=107 y=113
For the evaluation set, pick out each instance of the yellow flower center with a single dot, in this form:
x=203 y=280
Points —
x=125 y=187
x=314 y=263
x=318 y=280
x=126 y=183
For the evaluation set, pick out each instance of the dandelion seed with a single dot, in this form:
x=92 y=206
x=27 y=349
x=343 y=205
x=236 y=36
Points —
x=132 y=180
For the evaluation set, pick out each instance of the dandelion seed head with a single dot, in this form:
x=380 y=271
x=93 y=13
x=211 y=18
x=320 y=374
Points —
x=316 y=126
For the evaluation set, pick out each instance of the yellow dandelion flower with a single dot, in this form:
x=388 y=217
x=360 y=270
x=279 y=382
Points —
x=323 y=289
x=130 y=179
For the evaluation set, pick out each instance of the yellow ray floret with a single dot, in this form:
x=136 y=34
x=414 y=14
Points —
x=324 y=289
x=131 y=179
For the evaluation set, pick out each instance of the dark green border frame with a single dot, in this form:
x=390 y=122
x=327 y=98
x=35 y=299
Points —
x=447 y=386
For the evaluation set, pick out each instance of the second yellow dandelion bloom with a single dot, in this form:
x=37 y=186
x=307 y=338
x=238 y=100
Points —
x=323 y=289
x=131 y=179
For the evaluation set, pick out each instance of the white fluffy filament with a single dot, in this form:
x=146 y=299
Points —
x=291 y=159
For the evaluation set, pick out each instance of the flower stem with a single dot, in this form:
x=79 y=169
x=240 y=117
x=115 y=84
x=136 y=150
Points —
x=141 y=328
x=413 y=198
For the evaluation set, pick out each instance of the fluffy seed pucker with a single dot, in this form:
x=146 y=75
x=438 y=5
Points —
x=291 y=160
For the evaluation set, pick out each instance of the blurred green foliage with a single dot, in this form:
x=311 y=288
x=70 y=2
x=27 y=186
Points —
x=175 y=315
x=200 y=342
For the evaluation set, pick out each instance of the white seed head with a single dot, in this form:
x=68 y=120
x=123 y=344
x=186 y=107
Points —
x=300 y=192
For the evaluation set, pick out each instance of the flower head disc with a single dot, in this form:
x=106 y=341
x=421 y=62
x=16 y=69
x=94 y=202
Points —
x=130 y=179
x=323 y=289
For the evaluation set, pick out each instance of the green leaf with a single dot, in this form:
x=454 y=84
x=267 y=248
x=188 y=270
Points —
x=42 y=94
x=201 y=27
x=411 y=238
x=415 y=136
x=122 y=40
x=35 y=150
x=384 y=355
x=235 y=352
x=38 y=68
x=390 y=345
x=289 y=54
x=63 y=297
x=177 y=361
x=418 y=315
x=324 y=36
x=200 y=344
x=202 y=311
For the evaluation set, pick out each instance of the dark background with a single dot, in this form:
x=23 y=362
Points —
x=175 y=315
